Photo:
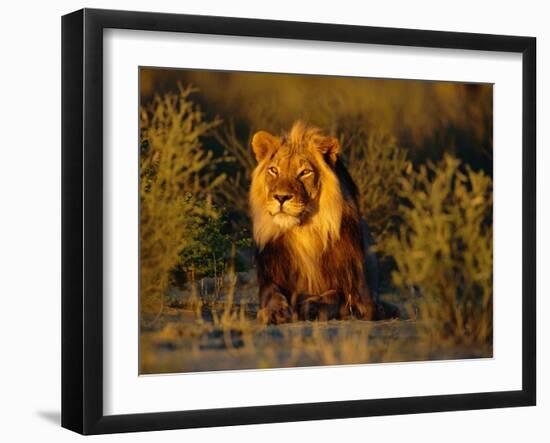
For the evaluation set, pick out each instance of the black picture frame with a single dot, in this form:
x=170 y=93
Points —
x=82 y=220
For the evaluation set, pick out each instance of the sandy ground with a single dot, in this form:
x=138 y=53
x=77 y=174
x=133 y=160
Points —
x=206 y=336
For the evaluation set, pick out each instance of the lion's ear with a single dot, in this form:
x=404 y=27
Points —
x=330 y=147
x=263 y=143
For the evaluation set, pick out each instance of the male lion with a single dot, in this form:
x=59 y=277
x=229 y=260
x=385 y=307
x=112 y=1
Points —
x=311 y=244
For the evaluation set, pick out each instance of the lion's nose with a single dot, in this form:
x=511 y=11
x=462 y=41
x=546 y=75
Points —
x=281 y=198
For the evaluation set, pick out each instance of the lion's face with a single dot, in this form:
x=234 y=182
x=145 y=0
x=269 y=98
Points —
x=293 y=184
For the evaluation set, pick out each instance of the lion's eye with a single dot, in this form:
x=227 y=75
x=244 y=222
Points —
x=306 y=172
x=273 y=170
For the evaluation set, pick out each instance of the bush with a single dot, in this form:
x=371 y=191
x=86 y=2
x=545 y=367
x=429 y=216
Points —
x=176 y=181
x=443 y=252
x=377 y=165
x=208 y=246
x=240 y=162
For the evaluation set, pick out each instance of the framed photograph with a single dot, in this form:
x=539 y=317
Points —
x=269 y=221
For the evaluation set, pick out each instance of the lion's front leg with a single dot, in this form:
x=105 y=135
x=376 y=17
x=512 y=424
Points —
x=323 y=306
x=362 y=308
x=274 y=306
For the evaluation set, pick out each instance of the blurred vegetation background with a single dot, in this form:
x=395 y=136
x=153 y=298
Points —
x=421 y=155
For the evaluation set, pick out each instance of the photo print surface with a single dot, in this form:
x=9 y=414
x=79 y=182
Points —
x=294 y=220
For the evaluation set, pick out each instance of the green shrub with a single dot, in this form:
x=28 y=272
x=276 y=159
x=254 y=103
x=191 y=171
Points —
x=207 y=251
x=176 y=181
x=443 y=252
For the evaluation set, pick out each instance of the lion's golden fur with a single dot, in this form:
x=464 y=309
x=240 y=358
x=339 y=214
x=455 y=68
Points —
x=309 y=243
x=306 y=241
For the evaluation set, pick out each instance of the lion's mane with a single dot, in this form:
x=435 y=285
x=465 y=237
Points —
x=317 y=260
